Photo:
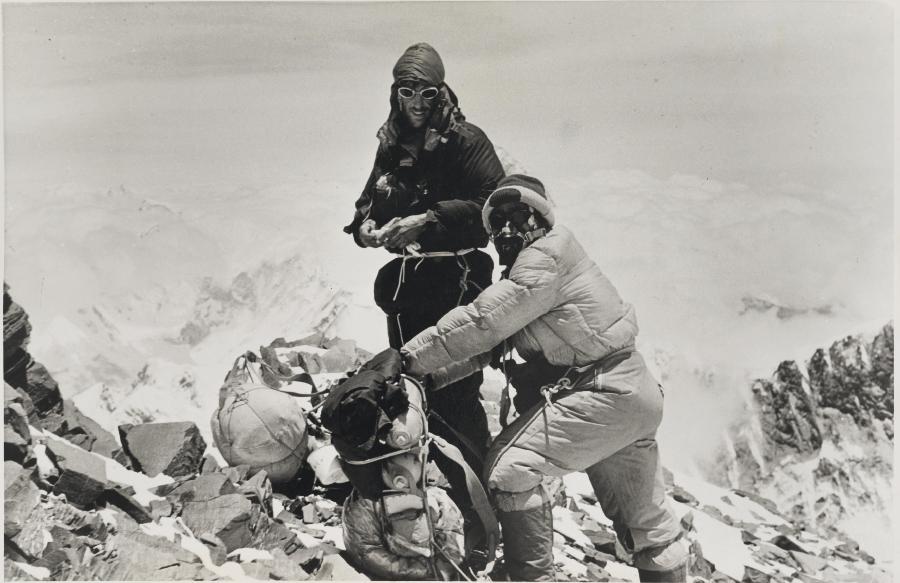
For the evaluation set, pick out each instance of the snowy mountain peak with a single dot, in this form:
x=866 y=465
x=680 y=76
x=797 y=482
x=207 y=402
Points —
x=766 y=304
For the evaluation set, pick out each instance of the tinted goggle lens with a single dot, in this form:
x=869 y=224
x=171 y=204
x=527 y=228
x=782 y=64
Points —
x=428 y=93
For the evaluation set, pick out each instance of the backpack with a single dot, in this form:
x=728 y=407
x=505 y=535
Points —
x=259 y=425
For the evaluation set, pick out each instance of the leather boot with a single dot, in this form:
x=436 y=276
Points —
x=666 y=563
x=676 y=575
x=528 y=543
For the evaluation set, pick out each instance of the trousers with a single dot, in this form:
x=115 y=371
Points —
x=609 y=432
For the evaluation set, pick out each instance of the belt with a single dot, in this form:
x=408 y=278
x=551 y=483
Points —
x=585 y=378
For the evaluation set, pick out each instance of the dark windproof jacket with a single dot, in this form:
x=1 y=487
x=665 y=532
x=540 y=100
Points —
x=449 y=183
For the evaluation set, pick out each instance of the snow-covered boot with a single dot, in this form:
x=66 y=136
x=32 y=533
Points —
x=667 y=563
x=528 y=543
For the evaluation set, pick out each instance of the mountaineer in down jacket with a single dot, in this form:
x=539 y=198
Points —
x=565 y=318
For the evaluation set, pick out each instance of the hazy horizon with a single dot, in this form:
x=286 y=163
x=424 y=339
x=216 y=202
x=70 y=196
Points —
x=163 y=94
x=739 y=147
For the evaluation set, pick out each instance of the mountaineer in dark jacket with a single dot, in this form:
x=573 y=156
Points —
x=433 y=172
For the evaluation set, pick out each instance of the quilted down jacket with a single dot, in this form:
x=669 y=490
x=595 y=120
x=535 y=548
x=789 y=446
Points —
x=397 y=548
x=556 y=302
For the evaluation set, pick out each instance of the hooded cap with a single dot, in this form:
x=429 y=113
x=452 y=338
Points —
x=422 y=63
x=518 y=188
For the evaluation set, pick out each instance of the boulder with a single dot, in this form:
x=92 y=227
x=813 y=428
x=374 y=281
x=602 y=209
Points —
x=679 y=494
x=810 y=564
x=787 y=543
x=14 y=569
x=231 y=517
x=41 y=388
x=16 y=435
x=276 y=536
x=82 y=476
x=16 y=327
x=81 y=522
x=175 y=449
x=136 y=555
x=217 y=552
x=200 y=489
x=70 y=423
x=258 y=489
x=20 y=497
x=285 y=568
x=12 y=394
x=238 y=473
x=160 y=509
x=258 y=569
x=59 y=561
x=752 y=575
x=124 y=501
x=209 y=465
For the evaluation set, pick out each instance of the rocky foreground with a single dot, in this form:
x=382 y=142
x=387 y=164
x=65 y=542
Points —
x=156 y=503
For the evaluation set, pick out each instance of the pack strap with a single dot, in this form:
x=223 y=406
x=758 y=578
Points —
x=465 y=441
x=480 y=502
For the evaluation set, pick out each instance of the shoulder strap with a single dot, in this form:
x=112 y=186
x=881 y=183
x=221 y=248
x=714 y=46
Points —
x=477 y=495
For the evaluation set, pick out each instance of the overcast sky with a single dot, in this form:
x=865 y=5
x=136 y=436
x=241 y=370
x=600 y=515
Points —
x=171 y=94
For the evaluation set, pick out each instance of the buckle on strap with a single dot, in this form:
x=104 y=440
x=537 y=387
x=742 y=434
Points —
x=550 y=390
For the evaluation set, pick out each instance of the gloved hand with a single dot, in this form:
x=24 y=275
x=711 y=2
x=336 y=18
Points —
x=388 y=362
x=497 y=354
x=426 y=380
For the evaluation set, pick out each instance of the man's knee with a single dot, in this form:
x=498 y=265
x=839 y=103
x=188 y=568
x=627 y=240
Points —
x=534 y=497
x=665 y=557
x=514 y=486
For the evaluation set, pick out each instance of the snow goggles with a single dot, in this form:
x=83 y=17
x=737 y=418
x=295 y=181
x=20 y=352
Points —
x=427 y=93
x=518 y=216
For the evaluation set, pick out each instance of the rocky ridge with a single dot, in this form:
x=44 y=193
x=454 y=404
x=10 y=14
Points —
x=818 y=435
x=80 y=506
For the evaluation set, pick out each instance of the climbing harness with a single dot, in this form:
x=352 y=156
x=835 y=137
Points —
x=412 y=252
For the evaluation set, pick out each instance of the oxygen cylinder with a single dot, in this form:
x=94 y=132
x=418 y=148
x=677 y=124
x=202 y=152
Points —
x=402 y=472
x=408 y=427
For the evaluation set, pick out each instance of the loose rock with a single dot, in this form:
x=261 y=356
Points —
x=82 y=475
x=174 y=449
x=20 y=497
x=231 y=517
x=200 y=489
